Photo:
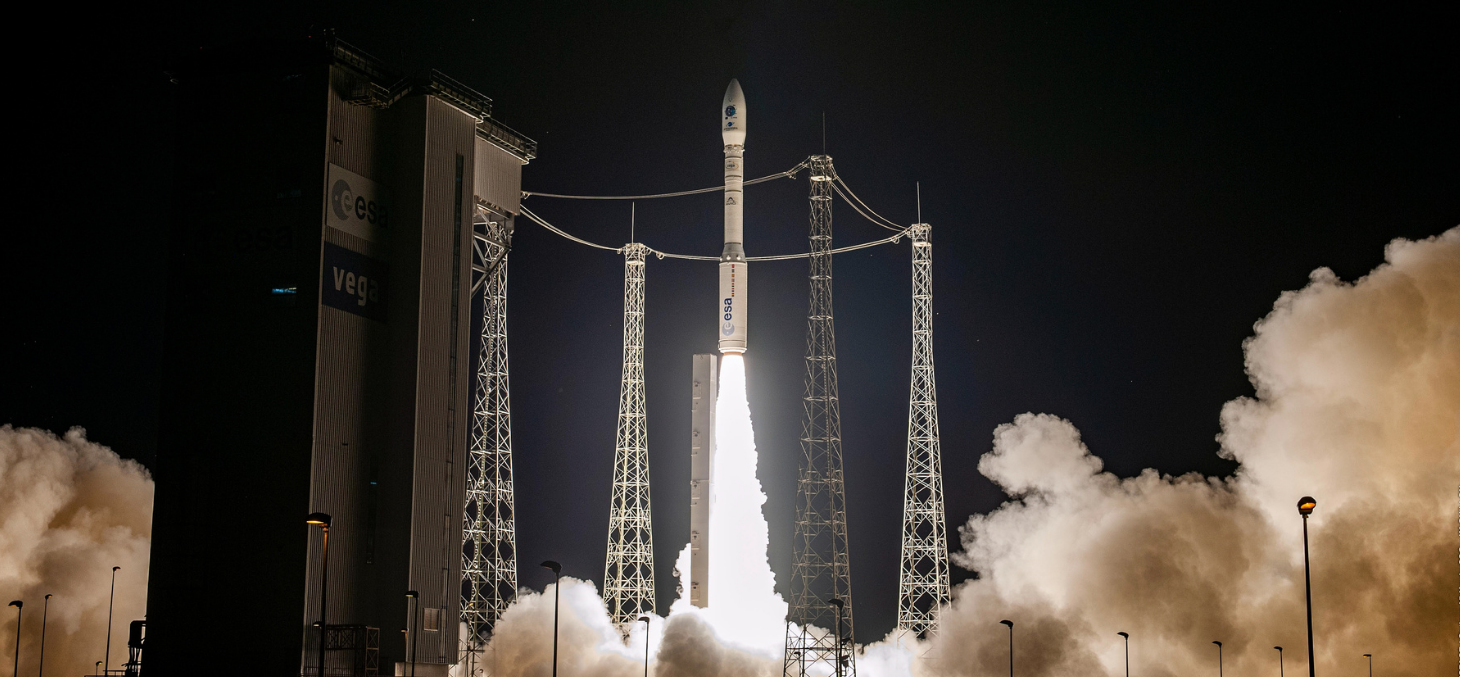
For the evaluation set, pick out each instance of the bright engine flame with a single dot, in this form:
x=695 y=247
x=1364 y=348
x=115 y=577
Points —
x=744 y=607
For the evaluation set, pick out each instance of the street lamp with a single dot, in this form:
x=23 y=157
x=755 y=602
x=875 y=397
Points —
x=557 y=570
x=1219 y=657
x=415 y=611
x=19 y=607
x=1280 y=660
x=320 y=519
x=1371 y=663
x=1305 y=508
x=1011 y=645
x=107 y=664
x=1127 y=652
x=45 y=612
x=646 y=645
x=839 y=605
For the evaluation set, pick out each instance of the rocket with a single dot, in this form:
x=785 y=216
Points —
x=734 y=273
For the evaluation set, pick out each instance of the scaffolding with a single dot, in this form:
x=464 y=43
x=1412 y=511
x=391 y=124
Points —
x=489 y=539
x=923 y=586
x=819 y=626
x=628 y=571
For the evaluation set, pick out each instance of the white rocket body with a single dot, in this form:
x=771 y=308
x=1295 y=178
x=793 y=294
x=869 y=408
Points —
x=734 y=273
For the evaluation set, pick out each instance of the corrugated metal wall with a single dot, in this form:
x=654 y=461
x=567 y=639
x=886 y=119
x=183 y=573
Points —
x=443 y=412
x=349 y=383
x=498 y=177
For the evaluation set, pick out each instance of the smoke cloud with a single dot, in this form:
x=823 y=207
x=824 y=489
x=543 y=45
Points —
x=1357 y=404
x=70 y=510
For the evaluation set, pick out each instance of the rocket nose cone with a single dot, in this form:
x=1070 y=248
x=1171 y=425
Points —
x=733 y=93
x=732 y=122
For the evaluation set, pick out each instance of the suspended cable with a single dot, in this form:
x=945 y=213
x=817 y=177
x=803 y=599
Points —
x=539 y=221
x=880 y=220
x=788 y=173
x=691 y=257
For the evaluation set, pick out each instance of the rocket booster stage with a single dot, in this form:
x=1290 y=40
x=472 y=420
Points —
x=734 y=274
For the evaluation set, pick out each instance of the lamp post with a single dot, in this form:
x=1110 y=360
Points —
x=1011 y=645
x=839 y=605
x=1371 y=663
x=19 y=607
x=415 y=611
x=45 y=612
x=1127 y=652
x=320 y=519
x=1219 y=657
x=1280 y=660
x=557 y=570
x=1305 y=508
x=111 y=602
x=646 y=644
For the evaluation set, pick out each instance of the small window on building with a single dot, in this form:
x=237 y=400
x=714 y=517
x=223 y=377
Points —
x=432 y=620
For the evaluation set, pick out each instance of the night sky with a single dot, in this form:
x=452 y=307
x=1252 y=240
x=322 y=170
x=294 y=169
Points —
x=1117 y=193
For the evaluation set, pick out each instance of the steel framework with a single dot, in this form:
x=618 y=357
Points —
x=489 y=539
x=628 y=571
x=821 y=570
x=923 y=583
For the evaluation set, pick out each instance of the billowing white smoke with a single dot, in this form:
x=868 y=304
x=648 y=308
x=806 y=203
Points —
x=70 y=510
x=1358 y=404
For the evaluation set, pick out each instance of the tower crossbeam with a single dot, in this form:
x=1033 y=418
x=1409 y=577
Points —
x=489 y=539
x=628 y=572
x=821 y=570
x=923 y=587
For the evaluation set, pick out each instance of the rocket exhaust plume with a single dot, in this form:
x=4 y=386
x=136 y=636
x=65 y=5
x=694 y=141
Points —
x=745 y=609
x=70 y=510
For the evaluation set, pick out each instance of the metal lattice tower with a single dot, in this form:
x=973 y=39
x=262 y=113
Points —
x=489 y=536
x=923 y=583
x=821 y=569
x=628 y=572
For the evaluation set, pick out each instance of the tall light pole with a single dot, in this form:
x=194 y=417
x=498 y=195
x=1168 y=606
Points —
x=1371 y=663
x=45 y=612
x=557 y=570
x=646 y=644
x=19 y=607
x=320 y=519
x=415 y=611
x=1127 y=652
x=111 y=602
x=1219 y=657
x=1305 y=508
x=1011 y=645
x=1280 y=660
x=836 y=602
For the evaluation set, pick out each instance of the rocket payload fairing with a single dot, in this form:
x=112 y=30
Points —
x=734 y=273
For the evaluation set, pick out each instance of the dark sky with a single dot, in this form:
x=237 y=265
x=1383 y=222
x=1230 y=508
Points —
x=1117 y=193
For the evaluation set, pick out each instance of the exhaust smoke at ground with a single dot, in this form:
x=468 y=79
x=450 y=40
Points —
x=1357 y=404
x=70 y=510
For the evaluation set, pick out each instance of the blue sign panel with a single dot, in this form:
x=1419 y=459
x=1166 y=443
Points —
x=354 y=282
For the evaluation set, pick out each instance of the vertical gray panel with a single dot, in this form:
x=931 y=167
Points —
x=498 y=177
x=442 y=407
x=356 y=133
